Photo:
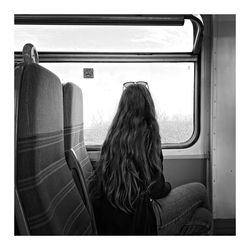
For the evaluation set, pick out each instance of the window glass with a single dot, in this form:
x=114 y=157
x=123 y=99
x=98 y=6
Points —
x=171 y=86
x=100 y=38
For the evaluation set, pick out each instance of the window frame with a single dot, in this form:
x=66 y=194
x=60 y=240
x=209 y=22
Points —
x=135 y=57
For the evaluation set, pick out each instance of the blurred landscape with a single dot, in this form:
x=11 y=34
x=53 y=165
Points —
x=177 y=129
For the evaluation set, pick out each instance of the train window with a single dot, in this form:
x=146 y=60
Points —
x=171 y=86
x=100 y=57
x=106 y=38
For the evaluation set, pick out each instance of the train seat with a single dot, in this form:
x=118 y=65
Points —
x=75 y=150
x=73 y=126
x=50 y=201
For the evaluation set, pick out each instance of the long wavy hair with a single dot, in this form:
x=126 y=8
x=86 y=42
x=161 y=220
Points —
x=130 y=160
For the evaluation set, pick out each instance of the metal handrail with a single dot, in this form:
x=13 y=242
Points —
x=94 y=57
x=59 y=19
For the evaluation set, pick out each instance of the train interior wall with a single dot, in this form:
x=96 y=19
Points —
x=181 y=171
x=223 y=111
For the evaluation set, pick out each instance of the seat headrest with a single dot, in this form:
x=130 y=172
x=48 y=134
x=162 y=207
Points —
x=73 y=105
x=30 y=54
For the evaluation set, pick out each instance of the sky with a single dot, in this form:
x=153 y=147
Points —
x=105 y=38
x=171 y=86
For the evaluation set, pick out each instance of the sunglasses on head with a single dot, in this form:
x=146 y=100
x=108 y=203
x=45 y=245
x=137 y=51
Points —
x=126 y=84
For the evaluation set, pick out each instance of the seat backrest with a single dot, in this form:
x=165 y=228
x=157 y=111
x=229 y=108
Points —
x=21 y=225
x=50 y=200
x=73 y=126
x=76 y=153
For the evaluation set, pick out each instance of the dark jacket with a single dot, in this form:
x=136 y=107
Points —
x=113 y=221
